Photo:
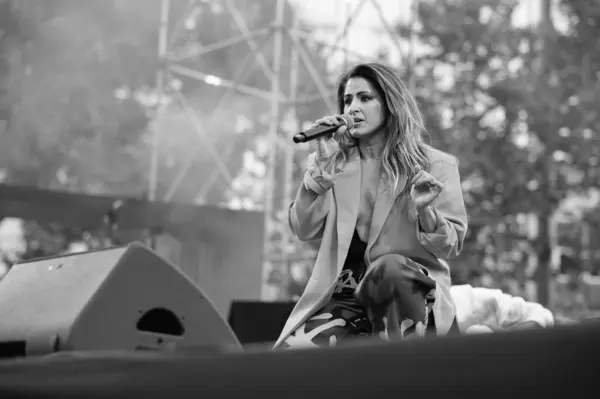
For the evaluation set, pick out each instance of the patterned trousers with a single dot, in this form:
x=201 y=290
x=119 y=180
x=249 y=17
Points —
x=393 y=301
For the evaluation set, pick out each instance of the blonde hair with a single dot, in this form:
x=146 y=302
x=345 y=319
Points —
x=404 y=148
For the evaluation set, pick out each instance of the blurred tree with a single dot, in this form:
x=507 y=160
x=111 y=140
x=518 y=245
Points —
x=63 y=124
x=469 y=90
x=509 y=101
x=62 y=63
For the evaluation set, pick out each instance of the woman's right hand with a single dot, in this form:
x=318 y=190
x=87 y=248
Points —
x=327 y=146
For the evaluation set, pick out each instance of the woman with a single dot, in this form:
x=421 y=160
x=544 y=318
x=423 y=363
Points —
x=385 y=206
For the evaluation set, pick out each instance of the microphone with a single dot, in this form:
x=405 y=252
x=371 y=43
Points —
x=322 y=130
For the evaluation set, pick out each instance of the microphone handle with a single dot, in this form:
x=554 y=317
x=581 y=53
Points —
x=314 y=133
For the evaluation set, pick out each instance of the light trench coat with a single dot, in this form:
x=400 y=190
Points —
x=331 y=218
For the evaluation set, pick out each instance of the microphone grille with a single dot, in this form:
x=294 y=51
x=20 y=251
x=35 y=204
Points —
x=348 y=120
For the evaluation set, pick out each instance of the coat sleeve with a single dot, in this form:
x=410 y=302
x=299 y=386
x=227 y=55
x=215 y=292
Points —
x=309 y=210
x=447 y=239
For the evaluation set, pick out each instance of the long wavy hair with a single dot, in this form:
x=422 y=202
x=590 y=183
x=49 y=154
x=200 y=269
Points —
x=404 y=147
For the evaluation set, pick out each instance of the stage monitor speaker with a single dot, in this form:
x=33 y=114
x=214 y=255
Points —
x=125 y=298
x=258 y=322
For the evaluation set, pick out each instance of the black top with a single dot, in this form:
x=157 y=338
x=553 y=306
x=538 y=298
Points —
x=354 y=268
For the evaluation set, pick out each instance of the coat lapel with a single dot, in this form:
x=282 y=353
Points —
x=347 y=197
x=383 y=206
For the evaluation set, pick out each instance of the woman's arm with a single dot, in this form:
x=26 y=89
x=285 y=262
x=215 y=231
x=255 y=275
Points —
x=309 y=210
x=441 y=227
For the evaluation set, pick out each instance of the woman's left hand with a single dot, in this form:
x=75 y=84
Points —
x=424 y=189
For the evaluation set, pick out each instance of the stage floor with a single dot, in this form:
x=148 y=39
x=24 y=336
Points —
x=556 y=361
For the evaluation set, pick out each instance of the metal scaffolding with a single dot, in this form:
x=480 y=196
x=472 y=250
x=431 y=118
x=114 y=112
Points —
x=279 y=101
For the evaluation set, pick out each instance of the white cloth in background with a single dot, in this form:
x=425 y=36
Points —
x=484 y=310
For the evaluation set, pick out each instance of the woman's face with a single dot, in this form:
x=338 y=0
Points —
x=362 y=101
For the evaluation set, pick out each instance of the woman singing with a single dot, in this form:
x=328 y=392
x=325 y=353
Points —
x=385 y=207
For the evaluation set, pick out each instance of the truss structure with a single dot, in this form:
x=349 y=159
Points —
x=276 y=97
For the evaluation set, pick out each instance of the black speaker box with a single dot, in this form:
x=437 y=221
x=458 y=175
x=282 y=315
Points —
x=125 y=298
x=258 y=322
